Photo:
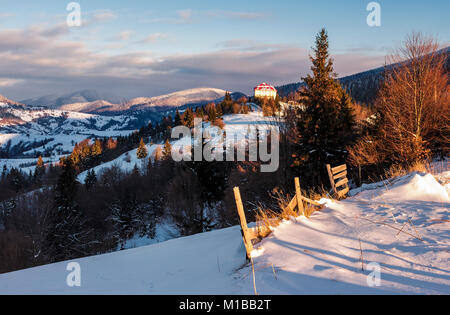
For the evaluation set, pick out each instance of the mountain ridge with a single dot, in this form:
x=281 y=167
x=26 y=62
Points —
x=362 y=86
x=90 y=101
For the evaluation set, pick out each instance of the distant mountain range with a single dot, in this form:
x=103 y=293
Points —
x=79 y=97
x=363 y=87
x=89 y=101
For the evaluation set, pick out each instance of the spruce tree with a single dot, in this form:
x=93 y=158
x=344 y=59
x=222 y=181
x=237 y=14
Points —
x=320 y=126
x=124 y=214
x=212 y=114
x=4 y=171
x=40 y=163
x=142 y=151
x=96 y=149
x=219 y=111
x=212 y=176
x=136 y=171
x=346 y=120
x=167 y=151
x=91 y=180
x=188 y=118
x=39 y=170
x=227 y=104
x=66 y=234
x=178 y=121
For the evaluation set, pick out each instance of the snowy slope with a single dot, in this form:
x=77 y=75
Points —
x=26 y=132
x=179 y=98
x=181 y=265
x=125 y=162
x=47 y=122
x=320 y=255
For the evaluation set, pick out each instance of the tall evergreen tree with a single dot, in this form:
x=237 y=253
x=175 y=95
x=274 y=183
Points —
x=188 y=118
x=4 y=171
x=346 y=121
x=178 y=121
x=96 y=149
x=40 y=163
x=227 y=104
x=91 y=180
x=327 y=107
x=39 y=170
x=124 y=216
x=212 y=114
x=142 y=151
x=219 y=111
x=167 y=151
x=212 y=176
x=66 y=235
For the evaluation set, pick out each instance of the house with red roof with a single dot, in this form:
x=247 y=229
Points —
x=265 y=90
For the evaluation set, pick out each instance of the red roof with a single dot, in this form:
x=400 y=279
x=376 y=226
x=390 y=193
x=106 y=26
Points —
x=265 y=86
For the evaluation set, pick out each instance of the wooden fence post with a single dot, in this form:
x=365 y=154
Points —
x=298 y=191
x=243 y=221
x=338 y=173
x=330 y=174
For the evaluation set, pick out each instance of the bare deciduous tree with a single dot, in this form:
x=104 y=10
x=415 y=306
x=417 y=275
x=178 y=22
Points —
x=413 y=105
x=414 y=100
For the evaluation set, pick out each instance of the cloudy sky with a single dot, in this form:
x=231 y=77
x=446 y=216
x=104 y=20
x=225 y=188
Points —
x=146 y=48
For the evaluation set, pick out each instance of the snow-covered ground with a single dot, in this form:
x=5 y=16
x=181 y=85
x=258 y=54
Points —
x=402 y=225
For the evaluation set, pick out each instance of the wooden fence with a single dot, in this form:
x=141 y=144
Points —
x=250 y=235
x=339 y=174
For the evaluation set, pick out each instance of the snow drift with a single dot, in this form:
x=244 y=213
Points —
x=402 y=227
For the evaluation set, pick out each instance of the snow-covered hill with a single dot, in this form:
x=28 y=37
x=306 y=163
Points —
x=406 y=234
x=176 y=99
x=90 y=107
x=6 y=101
x=85 y=96
x=35 y=120
x=24 y=130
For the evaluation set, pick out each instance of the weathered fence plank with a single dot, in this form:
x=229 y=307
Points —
x=330 y=175
x=338 y=173
x=243 y=220
x=298 y=192
x=291 y=206
x=342 y=182
x=339 y=169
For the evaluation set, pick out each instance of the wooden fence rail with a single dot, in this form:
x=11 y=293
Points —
x=252 y=234
x=338 y=173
